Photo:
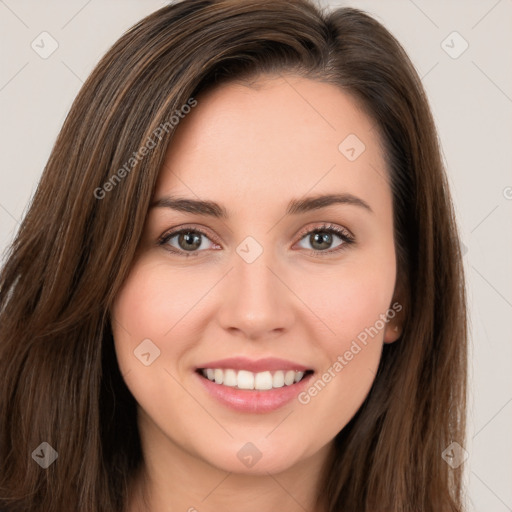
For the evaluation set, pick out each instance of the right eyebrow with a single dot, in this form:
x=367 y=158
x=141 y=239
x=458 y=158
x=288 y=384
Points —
x=199 y=207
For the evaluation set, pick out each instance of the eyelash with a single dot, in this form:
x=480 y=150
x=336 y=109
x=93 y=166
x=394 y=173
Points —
x=342 y=233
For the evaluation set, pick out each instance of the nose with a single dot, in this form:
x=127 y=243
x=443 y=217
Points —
x=256 y=301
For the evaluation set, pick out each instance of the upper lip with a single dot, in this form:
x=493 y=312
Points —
x=255 y=366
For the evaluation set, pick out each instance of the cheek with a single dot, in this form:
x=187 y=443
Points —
x=352 y=347
x=153 y=305
x=152 y=311
x=350 y=298
x=353 y=304
x=153 y=300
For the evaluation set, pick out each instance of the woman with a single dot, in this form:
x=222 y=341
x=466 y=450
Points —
x=239 y=282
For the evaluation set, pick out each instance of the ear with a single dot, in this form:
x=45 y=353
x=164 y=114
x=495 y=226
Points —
x=396 y=316
x=392 y=331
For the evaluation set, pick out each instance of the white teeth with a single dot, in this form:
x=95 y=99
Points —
x=278 y=379
x=244 y=379
x=263 y=380
x=230 y=378
x=289 y=377
x=218 y=376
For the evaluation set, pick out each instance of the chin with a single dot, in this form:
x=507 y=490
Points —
x=256 y=458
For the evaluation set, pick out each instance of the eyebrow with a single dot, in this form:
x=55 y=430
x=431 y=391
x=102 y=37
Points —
x=295 y=206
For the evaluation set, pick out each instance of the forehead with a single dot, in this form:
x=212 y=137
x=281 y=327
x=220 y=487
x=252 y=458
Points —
x=280 y=135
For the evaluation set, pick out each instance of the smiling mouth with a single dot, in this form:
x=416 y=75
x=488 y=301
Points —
x=246 y=380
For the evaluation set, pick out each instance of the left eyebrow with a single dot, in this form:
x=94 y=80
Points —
x=307 y=204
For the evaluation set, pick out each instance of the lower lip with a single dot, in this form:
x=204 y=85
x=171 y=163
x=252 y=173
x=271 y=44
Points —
x=254 y=401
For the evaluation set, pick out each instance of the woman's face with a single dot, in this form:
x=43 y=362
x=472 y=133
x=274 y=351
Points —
x=256 y=297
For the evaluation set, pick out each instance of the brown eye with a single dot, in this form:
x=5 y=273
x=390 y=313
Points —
x=321 y=239
x=185 y=242
x=189 y=241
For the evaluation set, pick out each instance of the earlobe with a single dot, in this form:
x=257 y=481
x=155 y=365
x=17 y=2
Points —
x=392 y=332
x=397 y=313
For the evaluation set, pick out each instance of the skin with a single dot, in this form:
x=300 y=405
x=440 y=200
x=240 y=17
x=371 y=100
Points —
x=252 y=149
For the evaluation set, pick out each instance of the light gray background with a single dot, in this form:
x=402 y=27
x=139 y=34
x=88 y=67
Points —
x=471 y=98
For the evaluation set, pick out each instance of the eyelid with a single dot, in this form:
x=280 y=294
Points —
x=171 y=233
x=326 y=226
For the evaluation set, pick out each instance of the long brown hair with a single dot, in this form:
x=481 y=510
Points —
x=61 y=382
